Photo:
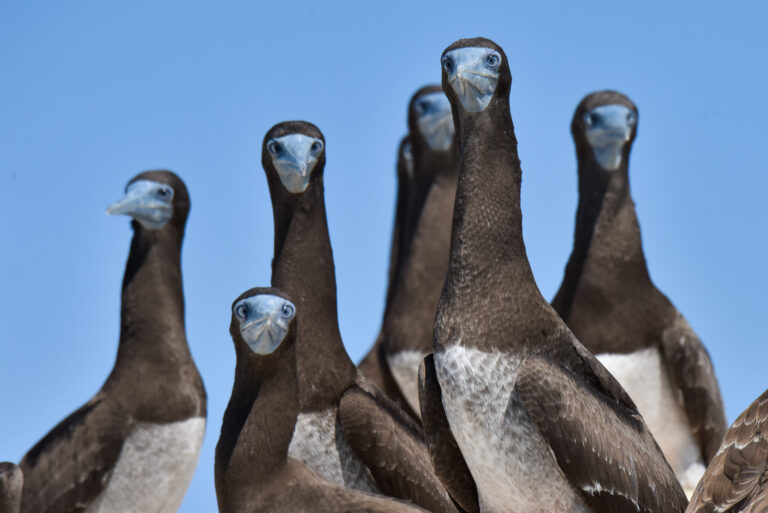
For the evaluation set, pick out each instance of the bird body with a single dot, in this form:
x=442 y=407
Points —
x=337 y=408
x=609 y=301
x=536 y=420
x=134 y=446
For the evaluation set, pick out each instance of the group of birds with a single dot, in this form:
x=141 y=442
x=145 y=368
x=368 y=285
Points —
x=478 y=394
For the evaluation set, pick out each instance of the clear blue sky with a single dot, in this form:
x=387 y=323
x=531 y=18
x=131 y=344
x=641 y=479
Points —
x=91 y=93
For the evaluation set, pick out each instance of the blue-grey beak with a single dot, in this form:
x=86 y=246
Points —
x=608 y=128
x=435 y=120
x=295 y=156
x=264 y=321
x=148 y=202
x=473 y=73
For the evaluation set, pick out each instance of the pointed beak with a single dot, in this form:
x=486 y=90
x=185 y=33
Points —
x=264 y=321
x=143 y=203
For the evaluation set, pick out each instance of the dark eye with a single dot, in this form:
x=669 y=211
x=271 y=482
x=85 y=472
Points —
x=317 y=146
x=287 y=310
x=492 y=60
x=631 y=118
x=164 y=192
x=447 y=64
x=589 y=118
x=241 y=311
x=421 y=107
x=273 y=147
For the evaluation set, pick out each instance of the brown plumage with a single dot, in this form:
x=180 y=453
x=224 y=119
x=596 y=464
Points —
x=736 y=480
x=336 y=403
x=11 y=484
x=374 y=364
x=610 y=302
x=253 y=470
x=154 y=380
x=540 y=423
x=408 y=322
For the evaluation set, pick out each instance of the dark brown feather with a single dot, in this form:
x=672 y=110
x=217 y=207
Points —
x=615 y=466
x=395 y=455
x=736 y=480
x=607 y=296
x=154 y=379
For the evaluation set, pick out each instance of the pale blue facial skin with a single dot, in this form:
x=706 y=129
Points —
x=473 y=74
x=148 y=202
x=295 y=156
x=608 y=128
x=435 y=120
x=264 y=321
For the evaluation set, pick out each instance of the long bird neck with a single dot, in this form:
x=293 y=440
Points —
x=152 y=330
x=607 y=239
x=489 y=282
x=258 y=422
x=487 y=235
x=303 y=268
x=410 y=319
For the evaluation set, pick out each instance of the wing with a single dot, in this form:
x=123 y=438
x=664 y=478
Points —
x=300 y=490
x=735 y=479
x=70 y=467
x=612 y=458
x=691 y=371
x=392 y=450
x=447 y=459
x=375 y=369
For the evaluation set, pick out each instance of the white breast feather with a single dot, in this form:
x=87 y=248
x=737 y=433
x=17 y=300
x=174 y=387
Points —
x=512 y=465
x=643 y=376
x=319 y=442
x=405 y=369
x=154 y=469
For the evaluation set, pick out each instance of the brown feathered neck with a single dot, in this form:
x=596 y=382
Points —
x=607 y=232
x=398 y=247
x=409 y=322
x=490 y=292
x=303 y=268
x=152 y=333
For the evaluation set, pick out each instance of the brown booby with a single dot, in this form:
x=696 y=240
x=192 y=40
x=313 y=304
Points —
x=134 y=446
x=254 y=472
x=608 y=300
x=346 y=430
x=11 y=484
x=374 y=364
x=410 y=319
x=535 y=418
x=736 y=480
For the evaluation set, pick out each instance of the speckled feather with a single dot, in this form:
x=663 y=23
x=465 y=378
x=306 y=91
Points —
x=736 y=480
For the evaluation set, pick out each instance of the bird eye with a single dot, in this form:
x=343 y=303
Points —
x=241 y=311
x=273 y=147
x=492 y=60
x=164 y=192
x=287 y=310
x=421 y=107
x=631 y=118
x=447 y=64
x=317 y=146
x=589 y=118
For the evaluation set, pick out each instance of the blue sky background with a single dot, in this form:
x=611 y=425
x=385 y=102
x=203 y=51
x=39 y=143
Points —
x=91 y=93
